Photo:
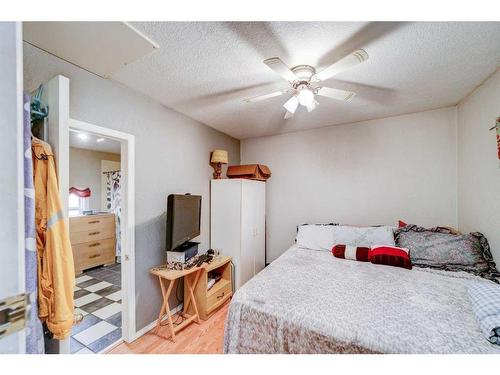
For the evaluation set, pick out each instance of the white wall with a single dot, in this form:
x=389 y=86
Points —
x=85 y=171
x=172 y=155
x=371 y=172
x=478 y=165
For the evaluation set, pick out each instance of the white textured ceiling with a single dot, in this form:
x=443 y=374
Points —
x=205 y=69
x=90 y=143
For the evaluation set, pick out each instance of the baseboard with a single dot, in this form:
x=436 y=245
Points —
x=113 y=345
x=152 y=325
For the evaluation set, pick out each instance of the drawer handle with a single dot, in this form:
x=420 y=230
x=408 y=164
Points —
x=94 y=222
x=222 y=295
x=94 y=256
x=95 y=244
x=93 y=233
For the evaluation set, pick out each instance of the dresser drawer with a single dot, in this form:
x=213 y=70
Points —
x=90 y=223
x=91 y=254
x=219 y=295
x=92 y=235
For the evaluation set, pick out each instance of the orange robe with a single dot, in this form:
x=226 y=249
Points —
x=56 y=272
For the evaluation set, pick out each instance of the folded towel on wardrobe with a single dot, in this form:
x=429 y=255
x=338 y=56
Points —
x=485 y=300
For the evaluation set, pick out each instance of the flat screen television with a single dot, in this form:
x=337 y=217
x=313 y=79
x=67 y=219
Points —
x=183 y=219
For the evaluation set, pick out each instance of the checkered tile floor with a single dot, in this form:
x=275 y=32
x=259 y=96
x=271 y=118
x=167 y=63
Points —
x=98 y=298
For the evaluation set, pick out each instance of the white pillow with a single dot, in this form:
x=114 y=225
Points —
x=315 y=236
x=363 y=236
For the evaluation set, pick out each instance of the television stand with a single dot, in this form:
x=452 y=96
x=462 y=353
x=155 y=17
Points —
x=209 y=301
x=198 y=302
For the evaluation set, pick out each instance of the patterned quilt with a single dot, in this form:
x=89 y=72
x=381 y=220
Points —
x=308 y=301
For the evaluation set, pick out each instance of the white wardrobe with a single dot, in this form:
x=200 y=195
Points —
x=238 y=224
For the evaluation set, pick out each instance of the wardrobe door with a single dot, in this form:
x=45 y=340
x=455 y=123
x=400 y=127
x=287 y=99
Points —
x=225 y=216
x=248 y=230
x=254 y=197
x=260 y=226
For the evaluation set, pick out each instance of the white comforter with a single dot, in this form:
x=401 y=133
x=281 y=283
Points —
x=307 y=301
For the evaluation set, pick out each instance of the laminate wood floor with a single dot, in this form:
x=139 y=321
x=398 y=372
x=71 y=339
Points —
x=204 y=338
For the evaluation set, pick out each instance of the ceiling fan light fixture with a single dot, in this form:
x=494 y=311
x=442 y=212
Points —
x=303 y=79
x=312 y=106
x=306 y=96
x=291 y=104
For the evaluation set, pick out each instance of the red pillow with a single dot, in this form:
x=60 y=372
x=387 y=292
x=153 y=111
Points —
x=390 y=256
x=351 y=252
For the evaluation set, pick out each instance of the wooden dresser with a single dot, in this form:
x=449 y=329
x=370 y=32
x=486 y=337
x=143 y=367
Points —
x=93 y=240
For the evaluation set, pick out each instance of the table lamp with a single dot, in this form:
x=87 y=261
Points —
x=218 y=158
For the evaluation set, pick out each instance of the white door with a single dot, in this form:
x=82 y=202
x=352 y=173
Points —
x=253 y=226
x=247 y=268
x=260 y=227
x=255 y=203
x=11 y=186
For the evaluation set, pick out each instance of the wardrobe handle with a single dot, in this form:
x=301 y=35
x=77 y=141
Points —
x=95 y=244
x=222 y=295
x=94 y=256
x=93 y=233
x=94 y=222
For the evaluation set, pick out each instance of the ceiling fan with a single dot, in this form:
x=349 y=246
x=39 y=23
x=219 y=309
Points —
x=304 y=79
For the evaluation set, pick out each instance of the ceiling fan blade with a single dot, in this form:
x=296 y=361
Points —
x=351 y=60
x=264 y=97
x=312 y=106
x=280 y=67
x=288 y=115
x=291 y=104
x=336 y=93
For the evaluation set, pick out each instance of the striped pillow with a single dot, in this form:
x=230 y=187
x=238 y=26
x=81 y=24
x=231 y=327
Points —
x=351 y=252
x=390 y=256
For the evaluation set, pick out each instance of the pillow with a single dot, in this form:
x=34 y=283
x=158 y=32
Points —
x=363 y=236
x=390 y=256
x=441 y=229
x=439 y=249
x=351 y=252
x=315 y=236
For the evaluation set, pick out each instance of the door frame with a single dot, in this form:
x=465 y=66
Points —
x=127 y=219
x=12 y=236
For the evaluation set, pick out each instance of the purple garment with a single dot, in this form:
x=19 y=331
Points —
x=34 y=332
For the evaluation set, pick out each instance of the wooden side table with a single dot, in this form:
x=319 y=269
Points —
x=194 y=292
x=170 y=276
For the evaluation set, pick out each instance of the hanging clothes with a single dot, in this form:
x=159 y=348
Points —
x=113 y=203
x=56 y=272
x=34 y=330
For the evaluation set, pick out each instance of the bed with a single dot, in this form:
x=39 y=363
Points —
x=308 y=301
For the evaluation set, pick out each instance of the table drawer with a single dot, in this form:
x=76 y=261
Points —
x=215 y=299
x=94 y=253
x=92 y=235
x=91 y=222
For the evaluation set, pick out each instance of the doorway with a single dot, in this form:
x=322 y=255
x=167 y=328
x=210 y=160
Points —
x=101 y=205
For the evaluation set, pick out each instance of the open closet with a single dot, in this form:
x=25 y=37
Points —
x=93 y=168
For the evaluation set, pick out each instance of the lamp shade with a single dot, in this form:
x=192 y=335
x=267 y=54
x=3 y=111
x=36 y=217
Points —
x=219 y=156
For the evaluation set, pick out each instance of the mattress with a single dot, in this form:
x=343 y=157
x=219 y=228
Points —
x=308 y=301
